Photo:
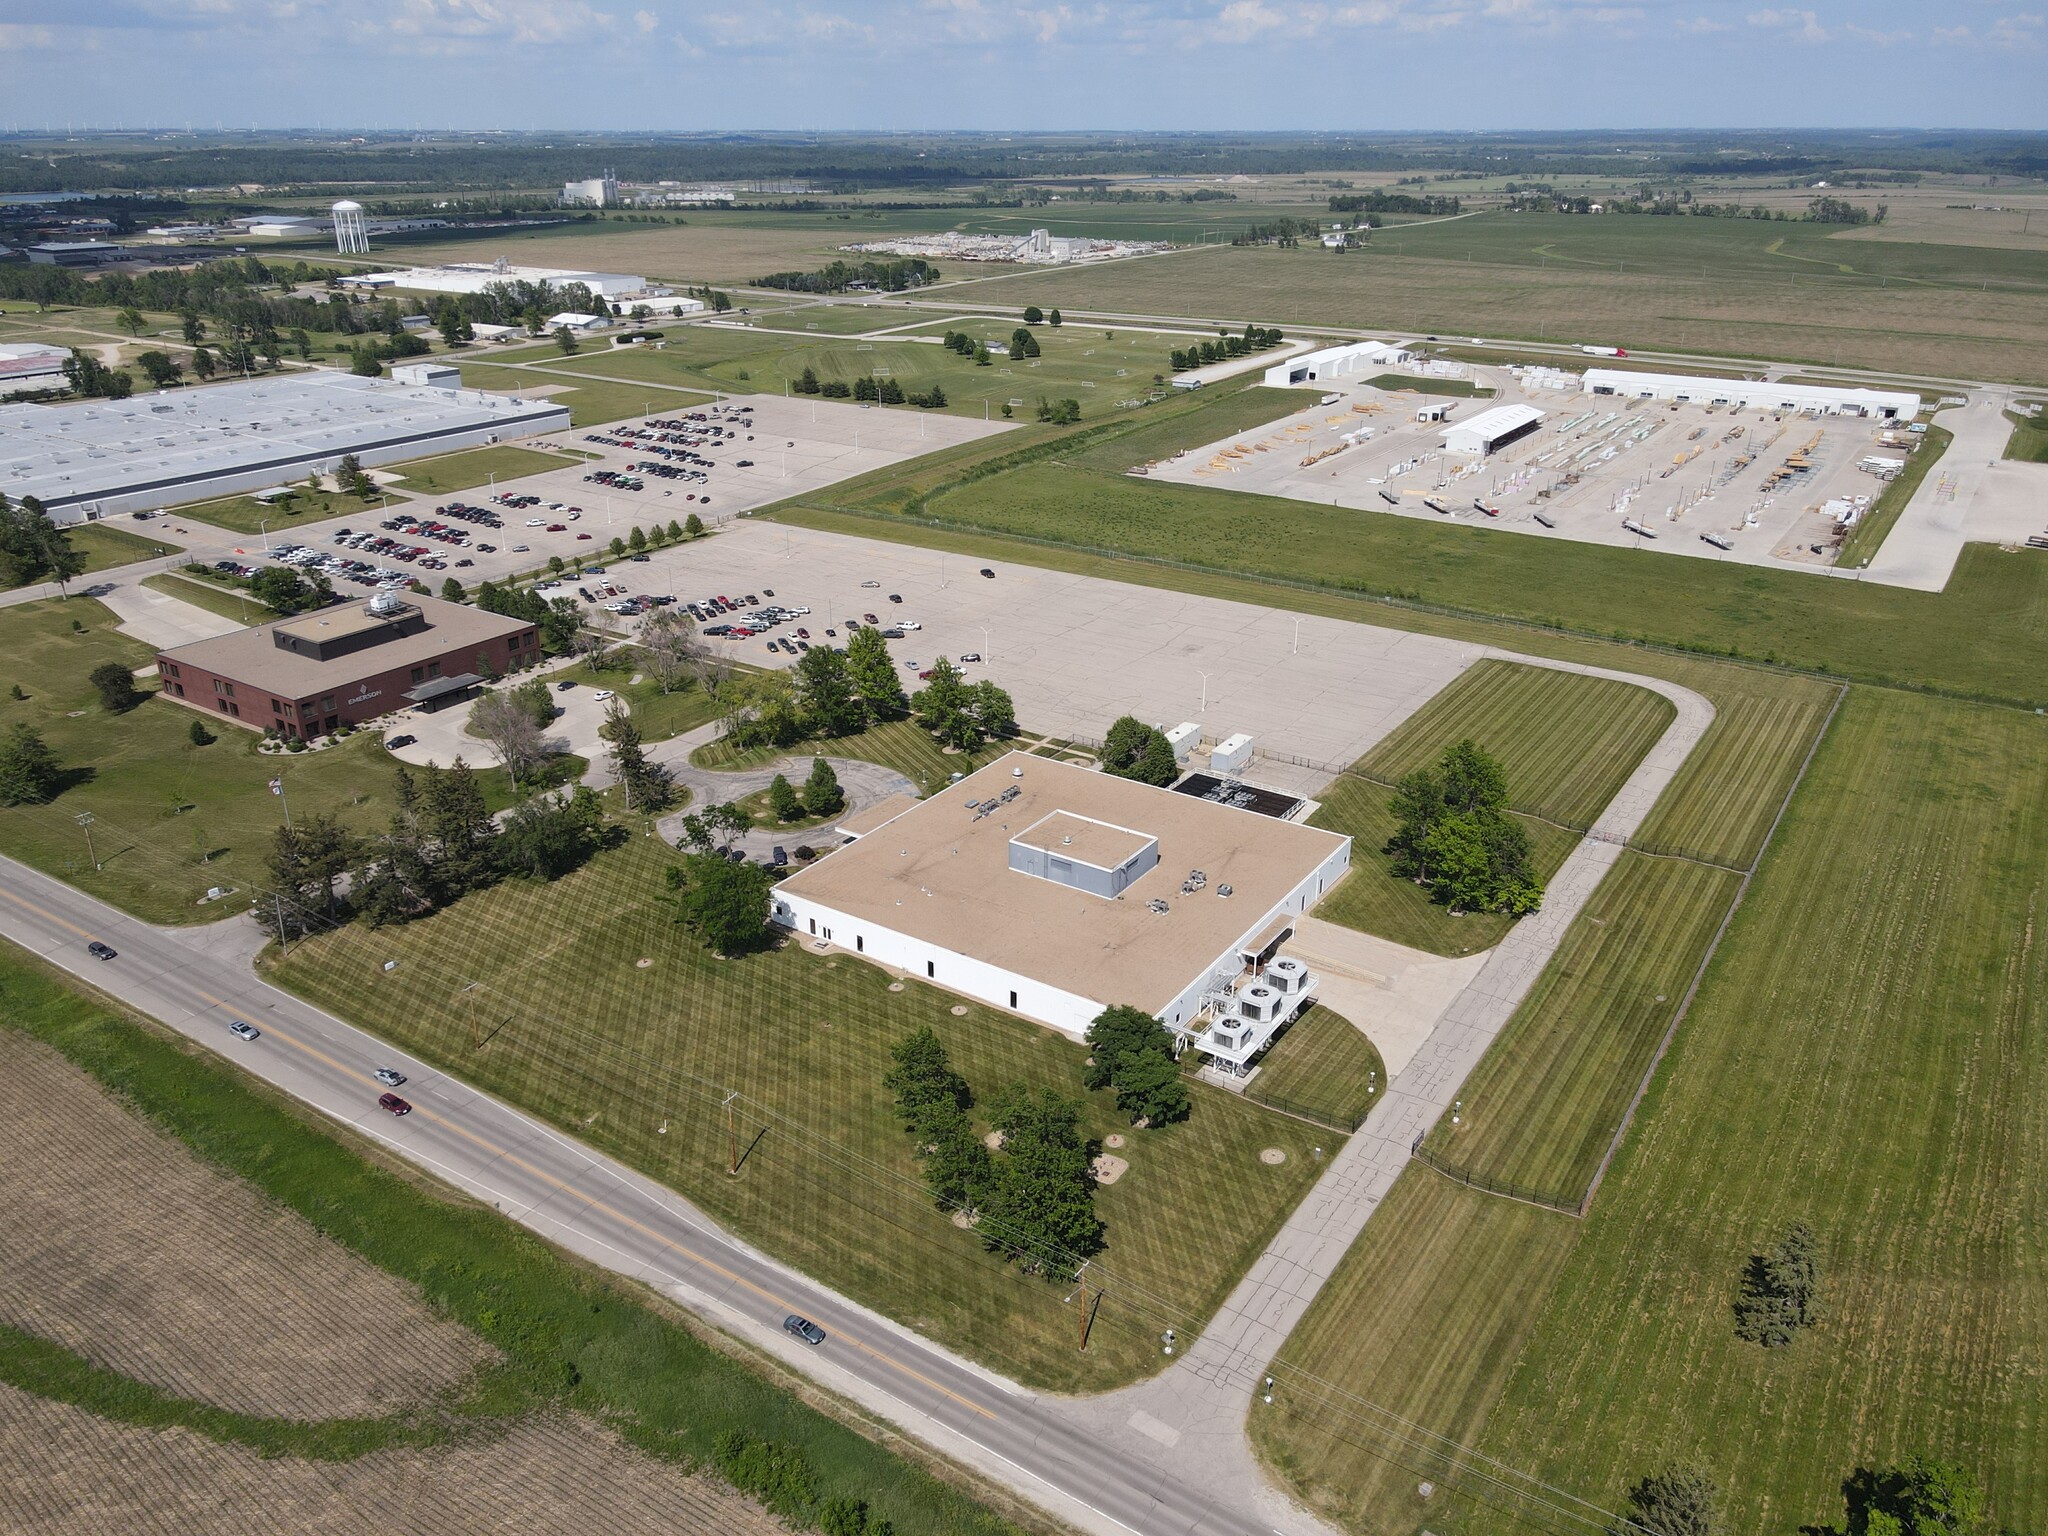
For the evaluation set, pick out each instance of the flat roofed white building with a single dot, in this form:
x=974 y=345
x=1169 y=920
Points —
x=475 y=277
x=1334 y=362
x=1490 y=430
x=1756 y=394
x=100 y=457
x=1056 y=891
x=575 y=322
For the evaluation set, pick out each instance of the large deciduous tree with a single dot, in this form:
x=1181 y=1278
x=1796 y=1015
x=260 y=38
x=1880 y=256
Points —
x=1135 y=750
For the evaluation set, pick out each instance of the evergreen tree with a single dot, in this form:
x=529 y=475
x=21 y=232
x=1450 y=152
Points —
x=693 y=525
x=636 y=540
x=783 y=801
x=1781 y=1290
x=649 y=786
x=1679 y=1501
x=29 y=771
x=458 y=828
x=675 y=529
x=1054 y=320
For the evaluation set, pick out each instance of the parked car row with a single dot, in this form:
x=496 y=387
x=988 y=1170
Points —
x=615 y=480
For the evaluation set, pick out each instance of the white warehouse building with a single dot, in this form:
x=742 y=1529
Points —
x=96 y=458
x=1757 y=394
x=1055 y=891
x=475 y=277
x=1491 y=430
x=1334 y=362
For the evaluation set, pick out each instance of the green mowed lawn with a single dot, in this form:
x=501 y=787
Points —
x=245 y=514
x=1322 y=1067
x=1567 y=742
x=105 y=547
x=590 y=404
x=1076 y=363
x=1862 y=1057
x=477 y=466
x=1373 y=899
x=2029 y=440
x=899 y=744
x=659 y=715
x=637 y=1059
x=1543 y=1106
x=214 y=599
x=170 y=819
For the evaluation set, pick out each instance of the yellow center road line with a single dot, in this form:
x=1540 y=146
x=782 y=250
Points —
x=559 y=1185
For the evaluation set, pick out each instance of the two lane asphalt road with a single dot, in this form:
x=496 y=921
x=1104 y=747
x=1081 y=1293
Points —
x=611 y=1215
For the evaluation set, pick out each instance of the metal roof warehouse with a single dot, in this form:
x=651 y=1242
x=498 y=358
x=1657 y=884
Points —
x=100 y=457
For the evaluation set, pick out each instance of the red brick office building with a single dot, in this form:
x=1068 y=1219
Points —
x=313 y=673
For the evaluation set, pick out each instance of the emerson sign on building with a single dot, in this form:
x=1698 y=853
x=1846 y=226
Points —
x=1055 y=891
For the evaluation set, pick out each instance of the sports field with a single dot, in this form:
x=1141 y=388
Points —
x=636 y=1060
x=1732 y=287
x=1859 y=1058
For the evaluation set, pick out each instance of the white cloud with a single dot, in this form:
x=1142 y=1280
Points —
x=1242 y=20
x=2016 y=31
x=1700 y=26
x=1802 y=25
x=1882 y=39
x=646 y=21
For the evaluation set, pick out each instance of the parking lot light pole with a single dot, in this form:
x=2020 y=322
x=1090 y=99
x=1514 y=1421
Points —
x=986 y=649
x=1205 y=691
x=263 y=527
x=1297 y=636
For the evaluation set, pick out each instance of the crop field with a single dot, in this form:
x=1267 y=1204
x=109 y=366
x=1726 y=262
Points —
x=1730 y=287
x=1567 y=742
x=827 y=1182
x=171 y=818
x=76 y=1475
x=1322 y=1067
x=100 y=1451
x=123 y=1247
x=1860 y=1058
x=1542 y=1107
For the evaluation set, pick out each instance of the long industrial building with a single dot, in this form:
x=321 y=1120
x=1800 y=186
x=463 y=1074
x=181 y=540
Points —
x=97 y=458
x=1755 y=394
x=1334 y=362
x=1055 y=891
x=475 y=277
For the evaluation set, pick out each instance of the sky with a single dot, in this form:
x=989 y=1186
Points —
x=1023 y=64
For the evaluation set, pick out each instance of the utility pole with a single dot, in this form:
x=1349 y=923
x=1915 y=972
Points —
x=476 y=1039
x=84 y=819
x=732 y=1140
x=277 y=899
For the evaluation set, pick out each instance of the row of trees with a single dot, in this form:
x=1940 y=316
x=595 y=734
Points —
x=441 y=843
x=1393 y=202
x=32 y=546
x=1919 y=1496
x=967 y=346
x=1255 y=338
x=867 y=387
x=820 y=796
x=1035 y=1201
x=840 y=276
x=1033 y=315
x=1453 y=834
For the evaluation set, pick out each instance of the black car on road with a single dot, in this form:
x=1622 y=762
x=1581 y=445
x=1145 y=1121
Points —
x=803 y=1328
